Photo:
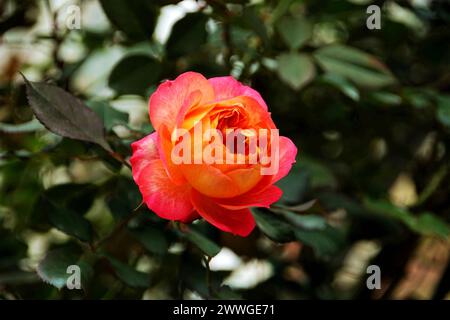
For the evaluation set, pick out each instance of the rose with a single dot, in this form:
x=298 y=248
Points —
x=221 y=193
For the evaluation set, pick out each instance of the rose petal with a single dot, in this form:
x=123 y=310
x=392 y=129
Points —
x=288 y=152
x=262 y=198
x=210 y=181
x=256 y=116
x=228 y=87
x=167 y=200
x=144 y=150
x=240 y=222
x=245 y=179
x=192 y=102
x=165 y=150
x=169 y=98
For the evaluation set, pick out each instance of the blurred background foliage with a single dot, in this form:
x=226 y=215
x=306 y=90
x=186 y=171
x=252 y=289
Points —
x=368 y=109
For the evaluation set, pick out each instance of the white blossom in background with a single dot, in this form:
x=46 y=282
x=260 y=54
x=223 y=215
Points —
x=170 y=15
x=250 y=274
x=225 y=260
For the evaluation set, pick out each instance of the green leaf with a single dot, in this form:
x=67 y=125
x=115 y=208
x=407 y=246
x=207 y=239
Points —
x=295 y=184
x=280 y=10
x=209 y=247
x=304 y=207
x=53 y=268
x=30 y=126
x=295 y=31
x=136 y=18
x=188 y=35
x=77 y=197
x=273 y=226
x=128 y=274
x=152 y=239
x=386 y=98
x=295 y=69
x=342 y=84
x=110 y=116
x=355 y=65
x=417 y=98
x=65 y=115
x=134 y=74
x=64 y=207
x=306 y=221
x=432 y=185
x=71 y=223
x=325 y=242
x=384 y=207
x=430 y=224
x=320 y=174
x=124 y=197
x=443 y=110
x=424 y=223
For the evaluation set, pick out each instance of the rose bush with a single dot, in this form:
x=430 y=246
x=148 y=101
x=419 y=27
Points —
x=221 y=193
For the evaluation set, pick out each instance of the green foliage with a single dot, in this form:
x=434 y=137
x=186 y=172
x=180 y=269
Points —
x=353 y=64
x=443 y=112
x=295 y=69
x=129 y=275
x=29 y=126
x=153 y=239
x=136 y=18
x=366 y=108
x=425 y=223
x=188 y=35
x=273 y=227
x=295 y=31
x=53 y=268
x=134 y=74
x=207 y=246
x=64 y=206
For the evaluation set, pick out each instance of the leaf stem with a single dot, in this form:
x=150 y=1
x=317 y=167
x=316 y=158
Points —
x=432 y=185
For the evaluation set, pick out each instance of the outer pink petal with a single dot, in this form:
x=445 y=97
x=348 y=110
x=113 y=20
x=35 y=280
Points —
x=169 y=98
x=288 y=152
x=262 y=198
x=228 y=87
x=144 y=150
x=240 y=222
x=161 y=195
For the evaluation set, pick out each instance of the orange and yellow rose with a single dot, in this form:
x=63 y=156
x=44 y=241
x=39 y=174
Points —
x=219 y=192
